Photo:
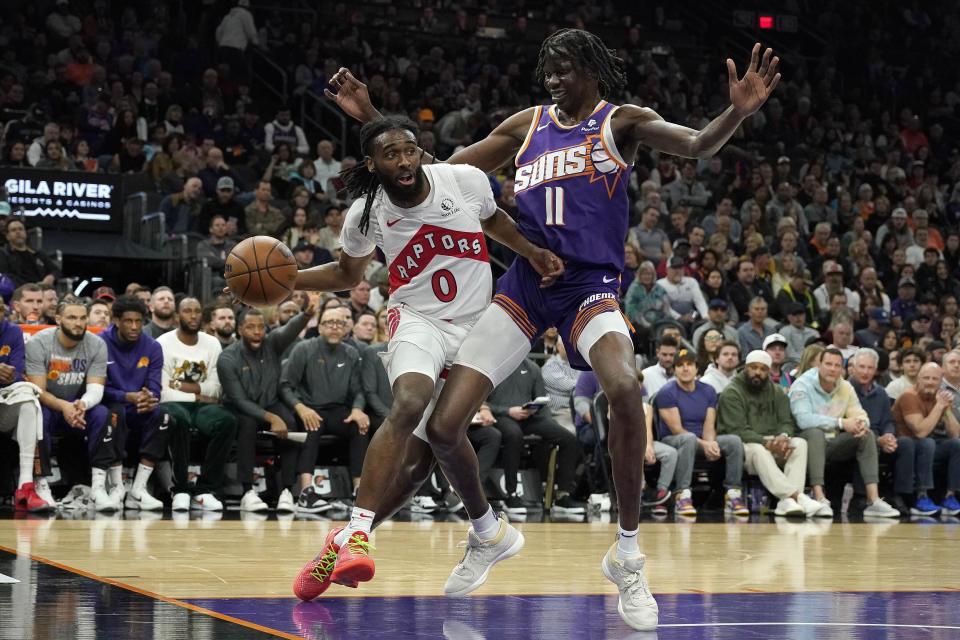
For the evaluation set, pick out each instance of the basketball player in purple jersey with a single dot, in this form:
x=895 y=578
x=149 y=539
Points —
x=572 y=160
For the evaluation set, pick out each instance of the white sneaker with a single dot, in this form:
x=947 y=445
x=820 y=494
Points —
x=102 y=500
x=285 y=502
x=636 y=604
x=825 y=510
x=117 y=494
x=206 y=502
x=143 y=502
x=181 y=502
x=790 y=507
x=810 y=506
x=423 y=504
x=252 y=502
x=880 y=508
x=479 y=558
x=42 y=488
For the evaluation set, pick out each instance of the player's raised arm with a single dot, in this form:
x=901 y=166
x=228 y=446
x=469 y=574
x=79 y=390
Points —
x=333 y=276
x=747 y=95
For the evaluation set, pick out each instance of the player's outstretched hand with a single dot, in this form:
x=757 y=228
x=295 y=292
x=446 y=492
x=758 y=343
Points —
x=750 y=92
x=351 y=95
x=548 y=265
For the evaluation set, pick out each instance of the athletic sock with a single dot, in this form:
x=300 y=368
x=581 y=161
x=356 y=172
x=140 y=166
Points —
x=115 y=474
x=627 y=543
x=27 y=440
x=360 y=520
x=98 y=479
x=140 y=480
x=486 y=526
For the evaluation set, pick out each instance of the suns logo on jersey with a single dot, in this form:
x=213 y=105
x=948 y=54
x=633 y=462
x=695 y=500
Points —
x=5 y=350
x=589 y=158
x=144 y=362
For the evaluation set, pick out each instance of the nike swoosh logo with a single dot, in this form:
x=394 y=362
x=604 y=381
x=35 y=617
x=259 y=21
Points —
x=110 y=362
x=390 y=224
x=607 y=280
x=543 y=126
x=522 y=371
x=340 y=364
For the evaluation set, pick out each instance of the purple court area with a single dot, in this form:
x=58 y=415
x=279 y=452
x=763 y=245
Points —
x=880 y=615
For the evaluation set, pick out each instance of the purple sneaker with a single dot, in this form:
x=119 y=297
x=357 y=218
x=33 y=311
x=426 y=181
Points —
x=684 y=505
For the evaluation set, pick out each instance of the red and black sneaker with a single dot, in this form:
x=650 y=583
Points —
x=354 y=564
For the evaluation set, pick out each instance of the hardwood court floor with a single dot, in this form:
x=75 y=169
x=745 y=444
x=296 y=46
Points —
x=234 y=566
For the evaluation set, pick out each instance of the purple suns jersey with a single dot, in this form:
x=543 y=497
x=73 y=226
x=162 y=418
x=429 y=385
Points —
x=571 y=188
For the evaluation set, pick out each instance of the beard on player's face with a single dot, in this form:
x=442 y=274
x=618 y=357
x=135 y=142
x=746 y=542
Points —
x=403 y=184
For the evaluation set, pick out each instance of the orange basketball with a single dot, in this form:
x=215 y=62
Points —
x=261 y=271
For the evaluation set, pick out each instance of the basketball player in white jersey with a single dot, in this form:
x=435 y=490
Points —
x=429 y=221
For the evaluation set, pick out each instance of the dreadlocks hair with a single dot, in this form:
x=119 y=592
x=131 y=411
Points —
x=359 y=181
x=587 y=50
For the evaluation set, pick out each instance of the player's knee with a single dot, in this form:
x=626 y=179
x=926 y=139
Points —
x=442 y=438
x=407 y=410
x=624 y=395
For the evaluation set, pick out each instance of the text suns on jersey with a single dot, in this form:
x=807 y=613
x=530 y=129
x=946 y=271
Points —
x=590 y=159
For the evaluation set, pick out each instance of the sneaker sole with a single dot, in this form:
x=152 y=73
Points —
x=421 y=510
x=354 y=573
x=918 y=512
x=885 y=514
x=653 y=503
x=608 y=574
x=327 y=507
x=949 y=512
x=569 y=510
x=509 y=552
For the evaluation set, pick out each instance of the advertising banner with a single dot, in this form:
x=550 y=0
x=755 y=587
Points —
x=65 y=200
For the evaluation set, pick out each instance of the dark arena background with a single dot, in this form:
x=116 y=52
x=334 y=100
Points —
x=141 y=141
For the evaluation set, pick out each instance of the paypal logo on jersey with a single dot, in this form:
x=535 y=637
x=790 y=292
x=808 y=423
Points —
x=590 y=126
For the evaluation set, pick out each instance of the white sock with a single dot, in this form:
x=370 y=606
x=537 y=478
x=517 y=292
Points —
x=627 y=543
x=140 y=480
x=27 y=425
x=360 y=520
x=115 y=474
x=98 y=479
x=486 y=526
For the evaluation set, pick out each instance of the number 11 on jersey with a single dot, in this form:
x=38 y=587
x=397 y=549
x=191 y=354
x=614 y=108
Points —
x=554 y=205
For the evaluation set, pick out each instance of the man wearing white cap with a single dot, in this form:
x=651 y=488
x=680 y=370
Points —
x=833 y=283
x=775 y=346
x=753 y=408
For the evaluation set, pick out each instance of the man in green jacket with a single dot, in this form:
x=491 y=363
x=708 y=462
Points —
x=758 y=411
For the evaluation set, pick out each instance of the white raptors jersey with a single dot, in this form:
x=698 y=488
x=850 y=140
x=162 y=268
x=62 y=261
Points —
x=436 y=252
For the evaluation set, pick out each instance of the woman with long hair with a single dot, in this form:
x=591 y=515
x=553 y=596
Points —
x=81 y=157
x=810 y=359
x=295 y=233
x=631 y=261
x=54 y=158
x=162 y=162
x=890 y=340
x=383 y=333
x=15 y=155
x=786 y=267
x=706 y=262
x=944 y=284
x=707 y=347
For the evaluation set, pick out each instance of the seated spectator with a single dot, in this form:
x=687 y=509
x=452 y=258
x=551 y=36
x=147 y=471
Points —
x=797 y=292
x=27 y=300
x=833 y=283
x=548 y=344
x=131 y=158
x=162 y=313
x=98 y=314
x=48 y=306
x=20 y=418
x=283 y=130
x=683 y=293
x=365 y=329
x=878 y=322
x=657 y=375
x=904 y=305
x=215 y=248
x=250 y=372
x=321 y=383
x=775 y=346
x=754 y=410
x=752 y=333
x=506 y=402
x=646 y=302
x=190 y=395
x=926 y=413
x=908 y=459
x=910 y=362
x=224 y=204
x=359 y=297
x=842 y=332
x=716 y=319
x=708 y=348
x=329 y=236
x=687 y=411
x=747 y=288
x=21 y=263
x=796 y=333
x=261 y=217
x=134 y=373
x=309 y=255
x=658 y=451
x=836 y=428
x=719 y=374
x=652 y=240
x=69 y=365
x=560 y=379
x=182 y=210
x=219 y=321
x=214 y=171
